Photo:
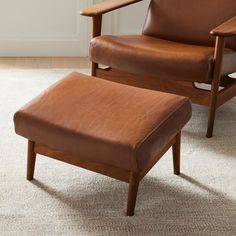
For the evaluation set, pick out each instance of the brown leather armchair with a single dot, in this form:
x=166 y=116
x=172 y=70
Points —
x=176 y=50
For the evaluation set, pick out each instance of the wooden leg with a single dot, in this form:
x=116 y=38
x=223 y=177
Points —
x=30 y=160
x=219 y=51
x=211 y=115
x=132 y=195
x=176 y=154
x=94 y=68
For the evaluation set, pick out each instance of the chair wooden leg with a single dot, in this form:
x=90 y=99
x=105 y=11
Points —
x=30 y=160
x=94 y=68
x=218 y=57
x=132 y=195
x=212 y=114
x=176 y=154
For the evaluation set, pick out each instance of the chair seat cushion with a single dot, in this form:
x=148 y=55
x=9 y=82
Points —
x=151 y=56
x=102 y=121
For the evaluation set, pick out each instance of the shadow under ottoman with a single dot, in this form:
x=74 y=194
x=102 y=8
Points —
x=109 y=128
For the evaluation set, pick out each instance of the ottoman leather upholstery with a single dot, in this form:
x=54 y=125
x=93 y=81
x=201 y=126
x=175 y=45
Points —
x=103 y=122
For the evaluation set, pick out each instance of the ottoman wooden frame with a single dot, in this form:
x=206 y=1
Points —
x=132 y=178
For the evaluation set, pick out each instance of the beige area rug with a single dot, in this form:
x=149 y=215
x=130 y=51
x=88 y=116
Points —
x=66 y=200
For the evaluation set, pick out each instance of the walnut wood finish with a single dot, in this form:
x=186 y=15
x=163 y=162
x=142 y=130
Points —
x=218 y=57
x=97 y=27
x=184 y=88
x=30 y=160
x=227 y=29
x=132 y=194
x=74 y=160
x=129 y=177
x=104 y=7
x=176 y=154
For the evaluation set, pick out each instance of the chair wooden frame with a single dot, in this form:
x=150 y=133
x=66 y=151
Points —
x=130 y=177
x=213 y=98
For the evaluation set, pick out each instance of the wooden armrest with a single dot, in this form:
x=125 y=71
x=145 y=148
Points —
x=104 y=7
x=227 y=29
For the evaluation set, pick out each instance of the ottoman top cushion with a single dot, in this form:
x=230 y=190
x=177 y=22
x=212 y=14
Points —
x=103 y=121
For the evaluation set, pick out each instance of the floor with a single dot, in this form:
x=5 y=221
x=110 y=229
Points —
x=44 y=63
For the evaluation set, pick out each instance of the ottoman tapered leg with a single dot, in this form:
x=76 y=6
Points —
x=30 y=160
x=176 y=154
x=132 y=195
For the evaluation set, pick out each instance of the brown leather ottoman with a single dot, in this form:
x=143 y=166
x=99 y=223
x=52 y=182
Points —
x=113 y=129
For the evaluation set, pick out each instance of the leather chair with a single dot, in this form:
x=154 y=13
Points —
x=183 y=44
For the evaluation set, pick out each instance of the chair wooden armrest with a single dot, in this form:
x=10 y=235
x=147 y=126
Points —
x=227 y=29
x=107 y=6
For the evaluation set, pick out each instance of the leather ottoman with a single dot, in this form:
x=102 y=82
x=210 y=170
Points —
x=109 y=128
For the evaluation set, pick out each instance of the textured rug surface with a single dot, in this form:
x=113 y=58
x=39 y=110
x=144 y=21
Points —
x=66 y=200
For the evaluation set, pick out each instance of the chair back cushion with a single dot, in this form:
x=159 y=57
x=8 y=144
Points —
x=189 y=21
